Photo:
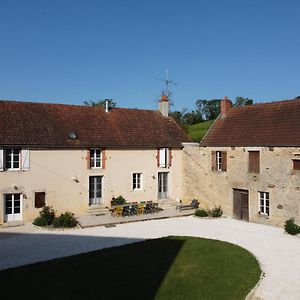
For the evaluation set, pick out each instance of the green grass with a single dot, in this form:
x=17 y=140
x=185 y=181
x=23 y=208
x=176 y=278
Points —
x=167 y=268
x=198 y=131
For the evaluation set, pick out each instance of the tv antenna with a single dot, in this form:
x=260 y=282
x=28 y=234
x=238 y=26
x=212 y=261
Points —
x=167 y=82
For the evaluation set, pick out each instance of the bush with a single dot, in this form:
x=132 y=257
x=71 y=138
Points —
x=216 y=212
x=46 y=217
x=201 y=213
x=118 y=201
x=291 y=228
x=65 y=220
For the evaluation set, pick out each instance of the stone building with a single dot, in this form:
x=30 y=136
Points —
x=249 y=162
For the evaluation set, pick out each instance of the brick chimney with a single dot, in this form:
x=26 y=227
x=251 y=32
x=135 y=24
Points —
x=164 y=105
x=226 y=105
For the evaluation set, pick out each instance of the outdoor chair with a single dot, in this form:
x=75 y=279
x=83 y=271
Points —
x=118 y=211
x=149 y=208
x=126 y=211
x=194 y=205
x=141 y=209
x=134 y=209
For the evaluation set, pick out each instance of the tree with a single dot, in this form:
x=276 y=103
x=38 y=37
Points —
x=208 y=109
x=100 y=102
x=241 y=101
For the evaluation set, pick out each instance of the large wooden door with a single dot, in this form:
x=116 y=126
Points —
x=241 y=204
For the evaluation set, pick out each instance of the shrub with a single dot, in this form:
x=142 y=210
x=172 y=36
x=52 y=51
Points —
x=65 y=220
x=201 y=213
x=216 y=212
x=291 y=228
x=46 y=217
x=118 y=201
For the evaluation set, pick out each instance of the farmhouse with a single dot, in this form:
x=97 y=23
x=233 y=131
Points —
x=249 y=162
x=76 y=158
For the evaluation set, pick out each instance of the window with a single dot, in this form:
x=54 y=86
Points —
x=264 y=203
x=164 y=157
x=12 y=158
x=39 y=199
x=137 y=181
x=95 y=158
x=254 y=162
x=296 y=164
x=219 y=161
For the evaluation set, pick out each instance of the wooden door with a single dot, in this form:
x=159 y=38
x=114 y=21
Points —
x=241 y=204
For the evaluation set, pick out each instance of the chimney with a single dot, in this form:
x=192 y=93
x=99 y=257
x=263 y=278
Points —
x=226 y=105
x=164 y=105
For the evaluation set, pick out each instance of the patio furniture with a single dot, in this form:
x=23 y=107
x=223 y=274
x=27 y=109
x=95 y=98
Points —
x=118 y=211
x=141 y=209
x=149 y=208
x=126 y=211
x=194 y=205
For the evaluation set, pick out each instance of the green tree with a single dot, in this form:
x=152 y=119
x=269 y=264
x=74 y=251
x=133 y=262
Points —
x=241 y=101
x=100 y=102
x=208 y=109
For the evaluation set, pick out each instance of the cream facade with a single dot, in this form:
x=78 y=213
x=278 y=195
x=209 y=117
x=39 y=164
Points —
x=64 y=177
x=273 y=194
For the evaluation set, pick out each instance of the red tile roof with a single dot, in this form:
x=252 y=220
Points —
x=48 y=125
x=264 y=124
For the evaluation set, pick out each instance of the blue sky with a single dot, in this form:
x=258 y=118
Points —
x=70 y=51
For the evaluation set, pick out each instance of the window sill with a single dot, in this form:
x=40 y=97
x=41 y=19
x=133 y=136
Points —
x=264 y=216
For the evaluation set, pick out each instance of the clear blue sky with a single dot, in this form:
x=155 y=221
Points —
x=71 y=51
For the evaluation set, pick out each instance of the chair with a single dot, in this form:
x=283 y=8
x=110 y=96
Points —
x=126 y=210
x=141 y=209
x=134 y=208
x=194 y=205
x=149 y=208
x=118 y=211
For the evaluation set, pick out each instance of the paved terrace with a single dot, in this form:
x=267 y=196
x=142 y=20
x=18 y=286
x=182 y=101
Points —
x=107 y=220
x=277 y=252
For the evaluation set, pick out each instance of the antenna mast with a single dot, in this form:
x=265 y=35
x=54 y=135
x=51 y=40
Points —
x=167 y=83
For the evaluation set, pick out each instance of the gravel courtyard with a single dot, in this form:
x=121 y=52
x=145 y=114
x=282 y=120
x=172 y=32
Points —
x=277 y=252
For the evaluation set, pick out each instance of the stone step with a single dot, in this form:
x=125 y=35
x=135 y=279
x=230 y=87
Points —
x=98 y=210
x=167 y=203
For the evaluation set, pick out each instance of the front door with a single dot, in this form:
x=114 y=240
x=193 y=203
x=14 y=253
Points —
x=163 y=191
x=241 y=204
x=95 y=190
x=13 y=207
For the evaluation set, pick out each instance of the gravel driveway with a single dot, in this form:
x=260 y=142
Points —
x=278 y=253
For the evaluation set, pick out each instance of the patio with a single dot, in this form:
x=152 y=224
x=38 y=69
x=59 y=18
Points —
x=108 y=220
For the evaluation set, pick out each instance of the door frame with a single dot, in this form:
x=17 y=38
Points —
x=101 y=200
x=238 y=202
x=167 y=192
x=20 y=215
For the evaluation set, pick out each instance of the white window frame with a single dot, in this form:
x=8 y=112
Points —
x=11 y=154
x=264 y=197
x=219 y=160
x=164 y=160
x=137 y=181
x=94 y=157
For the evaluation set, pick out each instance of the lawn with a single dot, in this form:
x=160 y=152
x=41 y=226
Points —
x=166 y=268
x=198 y=131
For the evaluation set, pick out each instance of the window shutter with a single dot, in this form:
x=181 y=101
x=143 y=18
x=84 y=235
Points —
x=88 y=159
x=296 y=164
x=224 y=161
x=1 y=160
x=162 y=157
x=157 y=158
x=170 y=157
x=103 y=158
x=39 y=199
x=25 y=159
x=213 y=160
x=254 y=164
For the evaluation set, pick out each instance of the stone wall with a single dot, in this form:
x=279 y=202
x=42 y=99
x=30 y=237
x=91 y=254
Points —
x=216 y=187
